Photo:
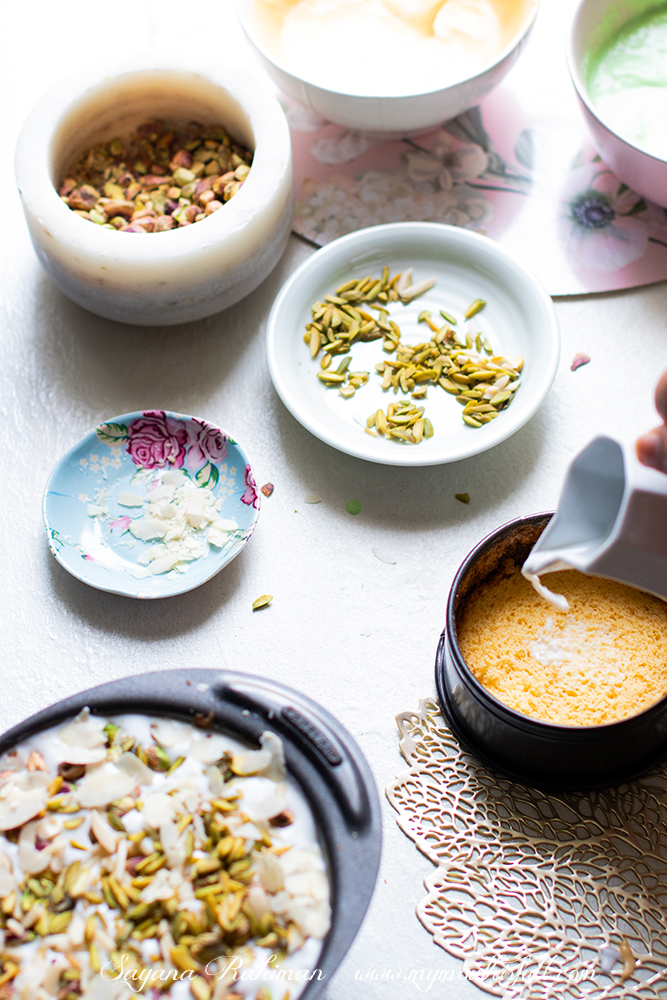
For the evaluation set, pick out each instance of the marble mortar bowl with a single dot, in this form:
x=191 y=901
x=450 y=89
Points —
x=595 y=21
x=393 y=116
x=165 y=278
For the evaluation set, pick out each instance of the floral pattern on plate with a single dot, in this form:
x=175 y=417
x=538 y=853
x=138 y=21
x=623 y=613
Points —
x=89 y=529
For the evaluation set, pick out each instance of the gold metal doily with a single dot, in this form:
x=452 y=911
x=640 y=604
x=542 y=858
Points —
x=541 y=896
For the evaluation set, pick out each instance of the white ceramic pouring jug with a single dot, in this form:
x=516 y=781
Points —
x=611 y=520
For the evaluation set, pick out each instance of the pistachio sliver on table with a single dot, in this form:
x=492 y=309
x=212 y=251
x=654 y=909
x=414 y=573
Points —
x=147 y=850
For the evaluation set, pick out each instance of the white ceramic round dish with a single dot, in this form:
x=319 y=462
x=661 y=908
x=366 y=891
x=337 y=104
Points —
x=104 y=504
x=595 y=22
x=160 y=278
x=409 y=113
x=519 y=319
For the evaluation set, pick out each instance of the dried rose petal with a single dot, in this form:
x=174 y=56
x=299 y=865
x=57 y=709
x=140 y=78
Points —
x=579 y=360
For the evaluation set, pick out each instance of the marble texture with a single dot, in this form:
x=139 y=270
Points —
x=353 y=632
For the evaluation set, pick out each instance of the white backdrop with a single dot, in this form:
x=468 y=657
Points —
x=355 y=633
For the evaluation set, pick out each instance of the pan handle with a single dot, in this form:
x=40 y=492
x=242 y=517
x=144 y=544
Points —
x=319 y=738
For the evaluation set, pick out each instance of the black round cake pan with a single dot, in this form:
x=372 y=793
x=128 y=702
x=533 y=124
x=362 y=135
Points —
x=320 y=755
x=542 y=754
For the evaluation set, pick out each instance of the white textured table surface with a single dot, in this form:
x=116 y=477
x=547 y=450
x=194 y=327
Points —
x=350 y=631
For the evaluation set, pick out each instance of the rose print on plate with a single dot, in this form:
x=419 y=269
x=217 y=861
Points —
x=150 y=504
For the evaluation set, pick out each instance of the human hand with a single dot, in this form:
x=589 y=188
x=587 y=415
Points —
x=652 y=447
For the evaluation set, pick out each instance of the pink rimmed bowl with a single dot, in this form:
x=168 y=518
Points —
x=596 y=22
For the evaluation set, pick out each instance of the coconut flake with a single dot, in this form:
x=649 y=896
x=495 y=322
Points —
x=312 y=921
x=31 y=860
x=127 y=499
x=147 y=529
x=257 y=902
x=215 y=781
x=404 y=281
x=106 y=837
x=78 y=755
x=85 y=731
x=208 y=749
x=251 y=762
x=169 y=732
x=261 y=810
x=168 y=834
x=121 y=858
x=248 y=831
x=158 y=808
x=270 y=872
x=18 y=806
x=130 y=764
x=7 y=883
x=103 y=784
x=76 y=929
x=311 y=883
x=165 y=884
x=414 y=291
x=383 y=557
x=276 y=770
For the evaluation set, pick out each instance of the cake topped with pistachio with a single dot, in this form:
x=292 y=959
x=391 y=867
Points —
x=144 y=853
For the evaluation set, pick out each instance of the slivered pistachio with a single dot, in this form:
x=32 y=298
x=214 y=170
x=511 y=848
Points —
x=199 y=987
x=183 y=960
x=474 y=308
x=448 y=317
x=177 y=763
x=95 y=962
x=464 y=367
x=58 y=922
x=499 y=398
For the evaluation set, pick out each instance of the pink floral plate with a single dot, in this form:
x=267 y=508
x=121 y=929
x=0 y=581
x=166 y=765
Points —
x=150 y=504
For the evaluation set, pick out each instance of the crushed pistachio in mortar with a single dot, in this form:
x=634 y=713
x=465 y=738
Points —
x=163 y=177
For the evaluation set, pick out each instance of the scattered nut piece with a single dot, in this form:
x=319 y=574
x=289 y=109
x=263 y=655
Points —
x=383 y=557
x=628 y=959
x=262 y=602
x=474 y=308
x=36 y=762
x=283 y=818
x=463 y=497
x=71 y=772
x=267 y=489
x=578 y=361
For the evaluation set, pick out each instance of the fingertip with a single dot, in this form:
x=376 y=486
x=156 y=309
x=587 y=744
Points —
x=650 y=450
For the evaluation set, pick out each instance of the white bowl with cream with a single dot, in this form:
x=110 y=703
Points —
x=387 y=66
x=617 y=65
x=185 y=274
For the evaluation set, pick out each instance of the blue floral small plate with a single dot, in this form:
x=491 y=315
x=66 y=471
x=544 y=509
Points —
x=150 y=504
